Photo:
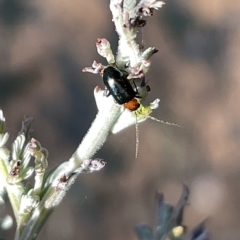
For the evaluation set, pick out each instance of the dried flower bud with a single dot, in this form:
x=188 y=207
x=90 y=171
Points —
x=34 y=146
x=95 y=69
x=96 y=165
x=104 y=49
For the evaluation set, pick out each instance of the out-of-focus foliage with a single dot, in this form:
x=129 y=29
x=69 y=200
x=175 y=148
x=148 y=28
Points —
x=169 y=222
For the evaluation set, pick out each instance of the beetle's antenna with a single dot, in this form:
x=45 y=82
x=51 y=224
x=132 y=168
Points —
x=137 y=137
x=165 y=122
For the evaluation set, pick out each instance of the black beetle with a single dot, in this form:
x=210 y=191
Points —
x=118 y=85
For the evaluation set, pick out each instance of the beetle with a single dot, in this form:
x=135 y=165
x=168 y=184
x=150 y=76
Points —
x=118 y=85
x=122 y=91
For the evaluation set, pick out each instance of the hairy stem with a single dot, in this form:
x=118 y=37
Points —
x=92 y=142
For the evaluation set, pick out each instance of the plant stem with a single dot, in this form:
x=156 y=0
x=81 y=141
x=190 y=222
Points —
x=92 y=142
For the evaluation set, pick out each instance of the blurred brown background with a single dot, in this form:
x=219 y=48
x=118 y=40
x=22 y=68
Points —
x=43 y=47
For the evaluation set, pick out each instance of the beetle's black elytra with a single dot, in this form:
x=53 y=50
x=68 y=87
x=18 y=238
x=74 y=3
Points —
x=118 y=85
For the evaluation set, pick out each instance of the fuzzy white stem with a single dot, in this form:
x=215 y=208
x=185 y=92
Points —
x=98 y=132
x=93 y=140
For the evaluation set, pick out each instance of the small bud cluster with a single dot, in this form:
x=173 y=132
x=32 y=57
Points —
x=19 y=161
x=128 y=18
x=65 y=181
x=88 y=166
x=18 y=167
x=28 y=158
